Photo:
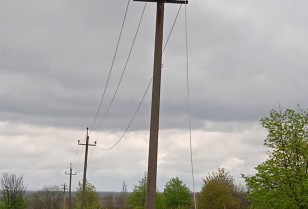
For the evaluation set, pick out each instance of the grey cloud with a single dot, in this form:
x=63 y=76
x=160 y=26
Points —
x=63 y=56
x=245 y=58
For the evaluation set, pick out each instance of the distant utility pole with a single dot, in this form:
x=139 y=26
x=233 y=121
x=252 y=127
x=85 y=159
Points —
x=64 y=187
x=70 y=186
x=83 y=201
x=154 y=127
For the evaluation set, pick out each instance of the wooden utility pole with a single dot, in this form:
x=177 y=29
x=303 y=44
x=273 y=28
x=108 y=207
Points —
x=70 y=187
x=83 y=200
x=64 y=187
x=154 y=126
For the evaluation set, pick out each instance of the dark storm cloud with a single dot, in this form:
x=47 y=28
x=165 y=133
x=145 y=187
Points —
x=55 y=57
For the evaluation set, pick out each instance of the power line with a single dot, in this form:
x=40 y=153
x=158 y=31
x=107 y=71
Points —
x=124 y=69
x=176 y=17
x=108 y=109
x=131 y=121
x=113 y=60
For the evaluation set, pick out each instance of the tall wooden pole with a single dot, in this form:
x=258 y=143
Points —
x=84 y=180
x=70 y=187
x=83 y=200
x=154 y=127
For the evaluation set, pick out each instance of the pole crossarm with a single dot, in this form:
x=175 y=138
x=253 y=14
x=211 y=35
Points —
x=70 y=173
x=88 y=144
x=64 y=187
x=167 y=1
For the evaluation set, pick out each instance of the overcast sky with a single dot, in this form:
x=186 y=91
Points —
x=245 y=58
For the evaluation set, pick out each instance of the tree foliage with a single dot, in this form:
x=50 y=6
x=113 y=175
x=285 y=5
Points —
x=282 y=180
x=2 y=205
x=92 y=200
x=12 y=191
x=50 y=197
x=219 y=192
x=137 y=199
x=177 y=194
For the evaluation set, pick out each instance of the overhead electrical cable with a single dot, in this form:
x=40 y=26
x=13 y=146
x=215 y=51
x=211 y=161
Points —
x=176 y=17
x=131 y=121
x=111 y=68
x=124 y=69
x=189 y=109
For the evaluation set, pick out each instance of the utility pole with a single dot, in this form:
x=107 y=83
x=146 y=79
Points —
x=70 y=186
x=154 y=126
x=83 y=201
x=64 y=187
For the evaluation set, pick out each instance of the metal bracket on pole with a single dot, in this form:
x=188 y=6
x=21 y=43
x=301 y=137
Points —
x=167 y=1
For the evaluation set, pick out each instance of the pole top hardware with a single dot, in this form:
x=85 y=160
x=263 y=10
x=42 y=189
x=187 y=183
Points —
x=167 y=1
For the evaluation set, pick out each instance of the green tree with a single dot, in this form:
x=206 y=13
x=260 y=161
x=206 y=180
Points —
x=160 y=200
x=13 y=191
x=2 y=205
x=92 y=200
x=137 y=199
x=219 y=192
x=282 y=180
x=177 y=194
